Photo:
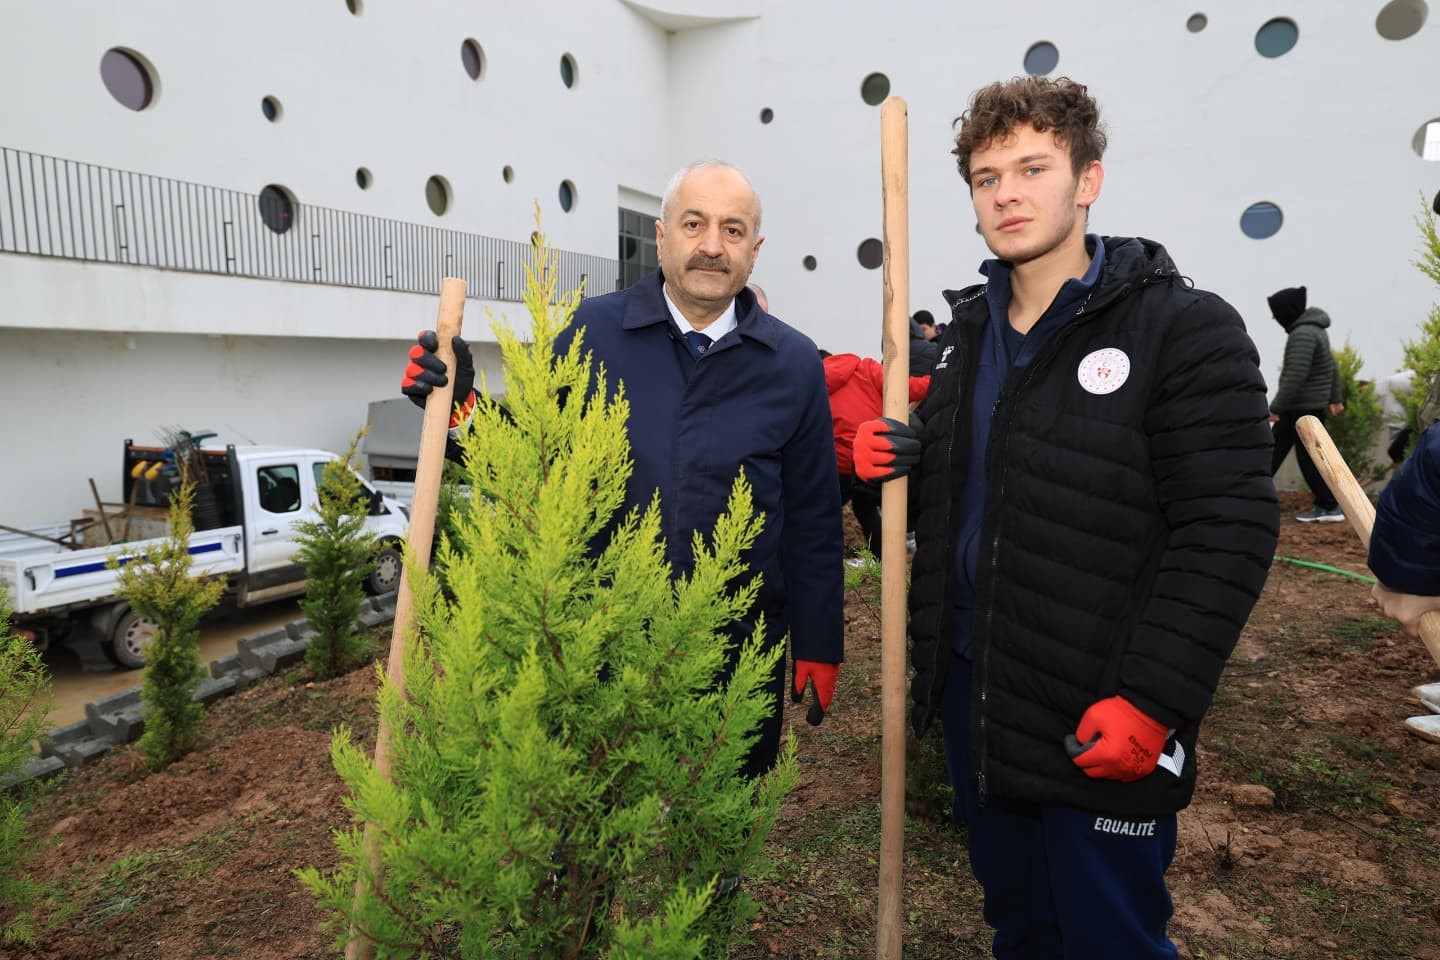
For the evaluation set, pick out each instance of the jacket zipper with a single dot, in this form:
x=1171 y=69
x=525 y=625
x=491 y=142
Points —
x=1050 y=348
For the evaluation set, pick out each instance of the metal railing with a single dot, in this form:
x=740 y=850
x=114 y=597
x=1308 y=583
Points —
x=52 y=207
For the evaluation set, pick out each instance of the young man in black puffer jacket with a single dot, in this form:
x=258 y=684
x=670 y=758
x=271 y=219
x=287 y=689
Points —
x=1095 y=519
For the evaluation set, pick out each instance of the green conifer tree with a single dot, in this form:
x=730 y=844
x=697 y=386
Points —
x=565 y=775
x=1355 y=430
x=158 y=586
x=338 y=553
x=1423 y=355
x=24 y=705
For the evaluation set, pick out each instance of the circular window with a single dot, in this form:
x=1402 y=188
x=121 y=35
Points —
x=1436 y=205
x=1426 y=141
x=354 y=6
x=808 y=263
x=1401 y=19
x=277 y=208
x=362 y=178
x=1041 y=58
x=1277 y=37
x=508 y=173
x=128 y=77
x=437 y=195
x=567 y=195
x=1261 y=220
x=871 y=253
x=569 y=72
x=767 y=115
x=1197 y=22
x=874 y=89
x=271 y=108
x=473 y=59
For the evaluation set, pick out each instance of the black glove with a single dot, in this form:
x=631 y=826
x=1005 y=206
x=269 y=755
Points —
x=425 y=371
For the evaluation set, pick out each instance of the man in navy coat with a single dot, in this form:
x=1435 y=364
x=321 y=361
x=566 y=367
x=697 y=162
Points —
x=716 y=385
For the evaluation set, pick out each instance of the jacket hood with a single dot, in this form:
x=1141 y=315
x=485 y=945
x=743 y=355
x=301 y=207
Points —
x=839 y=368
x=1312 y=315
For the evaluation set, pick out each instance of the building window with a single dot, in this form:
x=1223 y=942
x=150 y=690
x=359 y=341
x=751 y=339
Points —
x=1277 y=37
x=874 y=89
x=1197 y=22
x=567 y=195
x=808 y=263
x=871 y=253
x=270 y=107
x=1426 y=142
x=437 y=195
x=1261 y=220
x=277 y=208
x=362 y=178
x=1041 y=58
x=569 y=72
x=130 y=80
x=638 y=255
x=472 y=58
x=1401 y=19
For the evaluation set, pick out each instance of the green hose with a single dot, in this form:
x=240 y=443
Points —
x=1326 y=567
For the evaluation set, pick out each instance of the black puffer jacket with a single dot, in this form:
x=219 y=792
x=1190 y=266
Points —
x=1130 y=521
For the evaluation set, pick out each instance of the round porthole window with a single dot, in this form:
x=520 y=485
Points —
x=1261 y=220
x=874 y=89
x=871 y=253
x=277 y=208
x=1042 y=58
x=129 y=78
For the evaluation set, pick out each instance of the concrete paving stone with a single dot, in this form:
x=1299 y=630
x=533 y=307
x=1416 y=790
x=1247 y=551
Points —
x=225 y=666
x=212 y=689
x=118 y=726
x=81 y=752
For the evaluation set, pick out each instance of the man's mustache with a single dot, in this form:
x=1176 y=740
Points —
x=699 y=262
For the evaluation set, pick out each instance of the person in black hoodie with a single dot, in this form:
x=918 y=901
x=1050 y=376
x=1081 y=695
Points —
x=1094 y=517
x=1309 y=387
x=923 y=349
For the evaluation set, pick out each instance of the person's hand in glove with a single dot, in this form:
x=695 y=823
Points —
x=1116 y=741
x=426 y=371
x=821 y=676
x=886 y=449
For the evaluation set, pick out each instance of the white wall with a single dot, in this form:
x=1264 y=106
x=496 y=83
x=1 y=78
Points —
x=1201 y=126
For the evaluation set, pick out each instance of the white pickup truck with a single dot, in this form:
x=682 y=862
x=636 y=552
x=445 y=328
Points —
x=245 y=531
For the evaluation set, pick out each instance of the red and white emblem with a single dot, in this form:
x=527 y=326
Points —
x=1104 y=371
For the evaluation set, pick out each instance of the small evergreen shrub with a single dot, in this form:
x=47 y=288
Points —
x=159 y=587
x=565 y=770
x=338 y=553
x=24 y=705
x=1423 y=355
x=1356 y=430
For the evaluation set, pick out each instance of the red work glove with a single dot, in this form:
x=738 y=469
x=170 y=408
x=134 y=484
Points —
x=425 y=371
x=886 y=449
x=822 y=677
x=1115 y=741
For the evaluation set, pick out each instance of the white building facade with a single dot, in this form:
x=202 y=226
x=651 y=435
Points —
x=252 y=248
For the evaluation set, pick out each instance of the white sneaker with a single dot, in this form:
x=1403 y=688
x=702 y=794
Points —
x=1429 y=696
x=1427 y=727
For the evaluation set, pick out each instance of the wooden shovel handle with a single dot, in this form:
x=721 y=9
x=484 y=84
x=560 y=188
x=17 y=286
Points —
x=1356 y=503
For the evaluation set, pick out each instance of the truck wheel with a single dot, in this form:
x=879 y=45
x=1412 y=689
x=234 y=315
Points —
x=385 y=578
x=130 y=641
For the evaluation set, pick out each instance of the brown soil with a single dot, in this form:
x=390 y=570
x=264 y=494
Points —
x=1313 y=831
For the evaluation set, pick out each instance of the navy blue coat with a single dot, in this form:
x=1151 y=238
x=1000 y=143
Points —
x=1405 y=542
x=756 y=400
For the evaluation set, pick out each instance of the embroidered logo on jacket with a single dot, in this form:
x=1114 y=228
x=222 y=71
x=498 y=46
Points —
x=1104 y=371
x=944 y=357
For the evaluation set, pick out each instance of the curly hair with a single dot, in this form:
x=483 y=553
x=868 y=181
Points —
x=1061 y=105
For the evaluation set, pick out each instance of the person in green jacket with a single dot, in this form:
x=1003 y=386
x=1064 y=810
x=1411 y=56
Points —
x=1309 y=386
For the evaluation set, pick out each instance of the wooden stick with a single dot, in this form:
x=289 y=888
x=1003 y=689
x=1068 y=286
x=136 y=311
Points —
x=429 y=466
x=1356 y=504
x=104 y=519
x=895 y=187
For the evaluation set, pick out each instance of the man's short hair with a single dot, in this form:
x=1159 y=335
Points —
x=923 y=317
x=1061 y=105
x=667 y=199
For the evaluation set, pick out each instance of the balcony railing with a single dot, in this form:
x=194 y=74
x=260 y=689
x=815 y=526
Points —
x=50 y=207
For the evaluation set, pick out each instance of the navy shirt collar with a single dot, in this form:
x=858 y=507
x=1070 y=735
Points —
x=1068 y=299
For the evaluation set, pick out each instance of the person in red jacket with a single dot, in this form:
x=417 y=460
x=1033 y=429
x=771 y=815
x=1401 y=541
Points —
x=857 y=388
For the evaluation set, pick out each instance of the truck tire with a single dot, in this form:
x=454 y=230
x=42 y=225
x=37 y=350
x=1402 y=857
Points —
x=385 y=578
x=130 y=640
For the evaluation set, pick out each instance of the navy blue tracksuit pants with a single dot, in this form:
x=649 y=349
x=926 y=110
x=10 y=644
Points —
x=1059 y=882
